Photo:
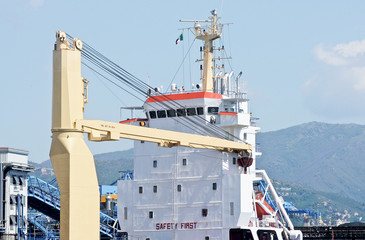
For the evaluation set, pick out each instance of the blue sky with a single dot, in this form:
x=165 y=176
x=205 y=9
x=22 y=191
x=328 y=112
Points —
x=302 y=60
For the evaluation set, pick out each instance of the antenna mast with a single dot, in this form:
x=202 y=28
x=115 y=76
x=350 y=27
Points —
x=207 y=34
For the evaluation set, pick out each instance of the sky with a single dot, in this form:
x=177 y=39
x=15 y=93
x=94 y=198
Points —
x=302 y=60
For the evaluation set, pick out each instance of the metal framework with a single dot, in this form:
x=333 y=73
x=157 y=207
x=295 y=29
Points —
x=45 y=198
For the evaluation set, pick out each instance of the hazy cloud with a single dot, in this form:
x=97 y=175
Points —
x=337 y=88
x=329 y=57
x=351 y=49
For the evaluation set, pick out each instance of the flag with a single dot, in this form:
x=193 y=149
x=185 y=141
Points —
x=180 y=38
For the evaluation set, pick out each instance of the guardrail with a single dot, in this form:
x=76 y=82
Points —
x=50 y=196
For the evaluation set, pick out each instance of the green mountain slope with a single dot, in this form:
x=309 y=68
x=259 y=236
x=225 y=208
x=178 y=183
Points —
x=332 y=206
x=325 y=157
x=107 y=166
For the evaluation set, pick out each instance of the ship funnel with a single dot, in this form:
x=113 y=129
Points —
x=216 y=81
x=225 y=84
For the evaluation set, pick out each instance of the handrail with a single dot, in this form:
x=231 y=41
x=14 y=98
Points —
x=37 y=220
x=50 y=195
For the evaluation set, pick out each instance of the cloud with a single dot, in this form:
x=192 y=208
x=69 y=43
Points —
x=341 y=54
x=351 y=49
x=329 y=57
x=337 y=88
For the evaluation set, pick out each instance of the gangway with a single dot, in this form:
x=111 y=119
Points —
x=45 y=198
x=291 y=209
x=44 y=227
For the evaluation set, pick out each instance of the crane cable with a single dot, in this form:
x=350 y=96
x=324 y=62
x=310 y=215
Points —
x=106 y=65
x=137 y=85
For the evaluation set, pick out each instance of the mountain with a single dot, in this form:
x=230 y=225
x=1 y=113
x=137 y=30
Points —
x=325 y=157
x=107 y=166
x=332 y=206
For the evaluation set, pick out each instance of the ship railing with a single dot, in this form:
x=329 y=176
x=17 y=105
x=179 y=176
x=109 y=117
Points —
x=37 y=189
x=35 y=182
x=235 y=95
x=269 y=221
x=108 y=224
x=176 y=92
x=261 y=174
x=229 y=94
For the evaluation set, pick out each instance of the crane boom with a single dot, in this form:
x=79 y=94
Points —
x=103 y=131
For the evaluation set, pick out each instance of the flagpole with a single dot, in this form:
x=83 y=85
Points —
x=183 y=63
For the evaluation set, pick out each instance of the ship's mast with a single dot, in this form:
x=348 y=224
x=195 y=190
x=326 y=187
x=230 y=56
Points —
x=208 y=35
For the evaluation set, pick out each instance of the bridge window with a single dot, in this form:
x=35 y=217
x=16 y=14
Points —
x=240 y=234
x=179 y=188
x=181 y=112
x=171 y=113
x=155 y=189
x=266 y=234
x=213 y=110
x=161 y=114
x=150 y=214
x=184 y=162
x=140 y=189
x=191 y=111
x=155 y=163
x=152 y=114
x=214 y=186
x=200 y=110
x=204 y=212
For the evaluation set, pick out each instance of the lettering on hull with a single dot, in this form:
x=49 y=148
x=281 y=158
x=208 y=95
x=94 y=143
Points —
x=172 y=226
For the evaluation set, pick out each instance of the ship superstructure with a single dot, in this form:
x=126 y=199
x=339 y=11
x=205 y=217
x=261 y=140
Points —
x=190 y=193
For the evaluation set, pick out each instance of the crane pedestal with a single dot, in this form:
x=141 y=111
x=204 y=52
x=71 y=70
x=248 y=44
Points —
x=74 y=167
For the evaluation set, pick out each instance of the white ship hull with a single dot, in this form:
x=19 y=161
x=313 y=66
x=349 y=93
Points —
x=188 y=193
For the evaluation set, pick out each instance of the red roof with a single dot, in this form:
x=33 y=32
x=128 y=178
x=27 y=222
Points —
x=184 y=96
x=228 y=113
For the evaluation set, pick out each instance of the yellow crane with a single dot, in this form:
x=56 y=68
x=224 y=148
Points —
x=72 y=160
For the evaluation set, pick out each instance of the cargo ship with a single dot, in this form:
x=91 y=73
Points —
x=192 y=193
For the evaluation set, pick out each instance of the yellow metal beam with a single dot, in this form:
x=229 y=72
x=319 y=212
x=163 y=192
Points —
x=72 y=160
x=107 y=131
